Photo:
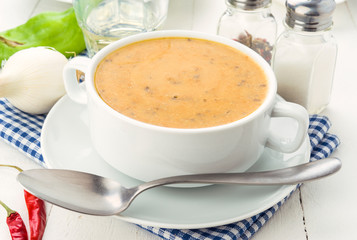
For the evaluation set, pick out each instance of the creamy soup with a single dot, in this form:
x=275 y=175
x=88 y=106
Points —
x=181 y=82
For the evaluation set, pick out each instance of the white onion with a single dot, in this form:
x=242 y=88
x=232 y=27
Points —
x=31 y=79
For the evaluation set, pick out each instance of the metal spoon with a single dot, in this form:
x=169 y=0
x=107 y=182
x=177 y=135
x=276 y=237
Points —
x=96 y=195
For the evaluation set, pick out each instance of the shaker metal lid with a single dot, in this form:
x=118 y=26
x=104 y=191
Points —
x=309 y=15
x=249 y=4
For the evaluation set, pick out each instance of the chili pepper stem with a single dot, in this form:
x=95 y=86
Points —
x=8 y=210
x=11 y=166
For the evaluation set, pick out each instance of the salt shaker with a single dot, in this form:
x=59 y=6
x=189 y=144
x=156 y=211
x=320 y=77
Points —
x=305 y=55
x=250 y=22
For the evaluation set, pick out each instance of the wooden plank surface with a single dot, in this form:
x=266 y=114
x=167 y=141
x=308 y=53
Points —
x=330 y=204
x=324 y=210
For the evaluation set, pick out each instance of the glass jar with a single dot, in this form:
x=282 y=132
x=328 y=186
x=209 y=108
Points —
x=305 y=55
x=251 y=23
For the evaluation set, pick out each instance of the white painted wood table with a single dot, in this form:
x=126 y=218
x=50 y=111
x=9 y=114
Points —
x=321 y=210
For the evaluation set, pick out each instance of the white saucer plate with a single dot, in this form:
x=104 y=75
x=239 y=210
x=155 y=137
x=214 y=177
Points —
x=65 y=144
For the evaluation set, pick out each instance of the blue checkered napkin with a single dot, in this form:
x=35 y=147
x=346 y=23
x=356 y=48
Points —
x=322 y=143
x=23 y=131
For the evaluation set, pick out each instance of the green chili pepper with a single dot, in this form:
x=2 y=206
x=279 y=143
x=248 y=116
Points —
x=59 y=30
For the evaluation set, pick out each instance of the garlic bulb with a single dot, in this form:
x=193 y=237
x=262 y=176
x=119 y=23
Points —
x=31 y=79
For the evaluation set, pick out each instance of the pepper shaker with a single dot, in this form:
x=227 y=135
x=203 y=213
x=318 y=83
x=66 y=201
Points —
x=250 y=22
x=305 y=55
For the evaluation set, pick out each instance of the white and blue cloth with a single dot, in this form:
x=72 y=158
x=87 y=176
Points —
x=23 y=131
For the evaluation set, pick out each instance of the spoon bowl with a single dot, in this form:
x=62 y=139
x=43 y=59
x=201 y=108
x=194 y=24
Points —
x=96 y=195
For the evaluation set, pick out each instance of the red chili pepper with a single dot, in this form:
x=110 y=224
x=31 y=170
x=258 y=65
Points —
x=37 y=212
x=37 y=215
x=16 y=225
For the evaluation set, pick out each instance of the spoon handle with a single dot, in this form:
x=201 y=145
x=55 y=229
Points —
x=292 y=175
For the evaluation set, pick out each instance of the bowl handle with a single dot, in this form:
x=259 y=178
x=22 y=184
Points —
x=297 y=112
x=74 y=88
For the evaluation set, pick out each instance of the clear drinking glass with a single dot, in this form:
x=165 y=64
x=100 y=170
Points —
x=105 y=21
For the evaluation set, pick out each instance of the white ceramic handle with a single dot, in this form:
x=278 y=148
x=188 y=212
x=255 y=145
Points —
x=75 y=90
x=297 y=112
